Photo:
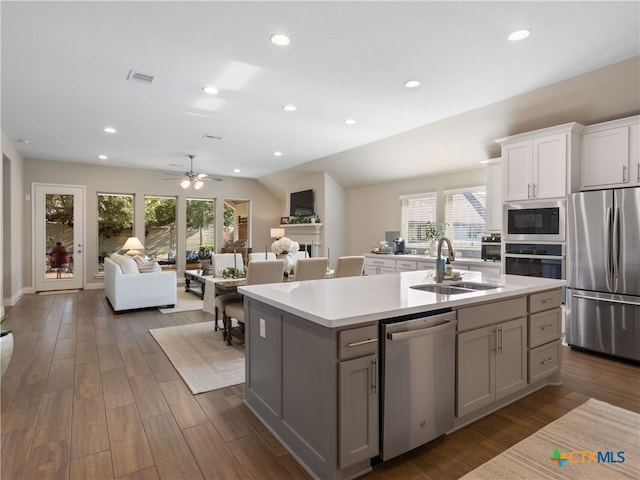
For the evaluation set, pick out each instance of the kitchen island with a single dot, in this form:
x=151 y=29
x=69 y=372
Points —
x=313 y=355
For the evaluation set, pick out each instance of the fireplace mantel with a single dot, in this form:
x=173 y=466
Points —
x=306 y=234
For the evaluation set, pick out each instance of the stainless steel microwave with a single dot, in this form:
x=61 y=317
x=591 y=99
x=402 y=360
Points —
x=542 y=221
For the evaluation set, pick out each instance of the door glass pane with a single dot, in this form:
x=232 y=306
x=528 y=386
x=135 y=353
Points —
x=160 y=229
x=115 y=224
x=200 y=228
x=59 y=235
x=236 y=223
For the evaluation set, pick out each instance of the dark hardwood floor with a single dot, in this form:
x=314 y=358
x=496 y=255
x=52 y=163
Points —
x=90 y=395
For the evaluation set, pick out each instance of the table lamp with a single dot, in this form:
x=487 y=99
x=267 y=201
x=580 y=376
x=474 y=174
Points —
x=278 y=232
x=133 y=246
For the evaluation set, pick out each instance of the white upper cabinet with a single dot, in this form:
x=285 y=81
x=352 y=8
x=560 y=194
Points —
x=517 y=173
x=610 y=154
x=493 y=205
x=541 y=164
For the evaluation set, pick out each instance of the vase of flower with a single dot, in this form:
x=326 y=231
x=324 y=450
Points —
x=288 y=261
x=285 y=248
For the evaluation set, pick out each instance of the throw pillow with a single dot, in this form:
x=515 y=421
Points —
x=147 y=266
x=128 y=265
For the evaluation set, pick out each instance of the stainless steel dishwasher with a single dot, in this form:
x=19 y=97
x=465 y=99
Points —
x=418 y=381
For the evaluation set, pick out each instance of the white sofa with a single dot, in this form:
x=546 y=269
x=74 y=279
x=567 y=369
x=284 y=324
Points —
x=127 y=288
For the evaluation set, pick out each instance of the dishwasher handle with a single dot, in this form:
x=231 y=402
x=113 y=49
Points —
x=422 y=331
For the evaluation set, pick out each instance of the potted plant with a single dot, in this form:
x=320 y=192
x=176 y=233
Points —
x=6 y=346
x=433 y=232
x=204 y=255
x=231 y=272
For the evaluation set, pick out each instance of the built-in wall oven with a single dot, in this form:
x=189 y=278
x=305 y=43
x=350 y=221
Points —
x=537 y=221
x=539 y=259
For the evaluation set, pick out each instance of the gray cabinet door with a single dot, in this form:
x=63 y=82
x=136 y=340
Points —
x=476 y=369
x=358 y=410
x=511 y=357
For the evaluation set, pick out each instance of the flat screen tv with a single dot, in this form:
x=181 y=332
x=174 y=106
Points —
x=302 y=204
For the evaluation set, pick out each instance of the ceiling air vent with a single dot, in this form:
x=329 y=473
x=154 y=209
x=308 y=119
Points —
x=140 y=77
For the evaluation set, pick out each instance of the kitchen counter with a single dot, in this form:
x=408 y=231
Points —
x=428 y=258
x=315 y=346
x=351 y=301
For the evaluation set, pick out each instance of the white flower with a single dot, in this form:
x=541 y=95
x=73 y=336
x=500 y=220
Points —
x=284 y=245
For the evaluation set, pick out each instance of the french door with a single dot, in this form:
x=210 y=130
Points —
x=58 y=240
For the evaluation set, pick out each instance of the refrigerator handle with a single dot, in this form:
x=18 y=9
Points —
x=607 y=246
x=616 y=247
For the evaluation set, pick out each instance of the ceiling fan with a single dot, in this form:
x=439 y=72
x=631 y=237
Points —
x=193 y=178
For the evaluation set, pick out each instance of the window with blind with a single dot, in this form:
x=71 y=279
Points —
x=465 y=214
x=416 y=211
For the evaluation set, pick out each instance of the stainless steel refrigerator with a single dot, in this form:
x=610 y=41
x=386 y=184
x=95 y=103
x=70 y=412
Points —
x=603 y=271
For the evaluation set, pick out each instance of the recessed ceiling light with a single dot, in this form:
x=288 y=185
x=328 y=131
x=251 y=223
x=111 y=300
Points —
x=289 y=108
x=210 y=90
x=519 y=35
x=412 y=83
x=277 y=154
x=109 y=130
x=350 y=121
x=103 y=157
x=279 y=39
x=236 y=170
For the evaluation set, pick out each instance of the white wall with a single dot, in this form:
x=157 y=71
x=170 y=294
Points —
x=265 y=208
x=11 y=243
x=336 y=215
x=331 y=208
x=375 y=209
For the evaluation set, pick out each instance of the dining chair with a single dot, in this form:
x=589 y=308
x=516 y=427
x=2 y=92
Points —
x=262 y=256
x=300 y=255
x=311 y=268
x=258 y=272
x=349 y=266
x=220 y=261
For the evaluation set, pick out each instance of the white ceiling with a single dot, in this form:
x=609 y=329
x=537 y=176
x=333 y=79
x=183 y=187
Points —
x=65 y=67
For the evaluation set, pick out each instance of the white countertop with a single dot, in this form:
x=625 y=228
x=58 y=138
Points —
x=340 y=302
x=427 y=258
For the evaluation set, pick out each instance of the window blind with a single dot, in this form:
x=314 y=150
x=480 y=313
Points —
x=416 y=211
x=465 y=216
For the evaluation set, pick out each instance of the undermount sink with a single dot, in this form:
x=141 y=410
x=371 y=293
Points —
x=474 y=285
x=454 y=288
x=441 y=289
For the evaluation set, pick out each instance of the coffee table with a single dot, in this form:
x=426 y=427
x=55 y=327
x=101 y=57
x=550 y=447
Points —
x=194 y=282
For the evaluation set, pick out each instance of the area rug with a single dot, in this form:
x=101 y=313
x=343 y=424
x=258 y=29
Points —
x=204 y=361
x=185 y=302
x=593 y=441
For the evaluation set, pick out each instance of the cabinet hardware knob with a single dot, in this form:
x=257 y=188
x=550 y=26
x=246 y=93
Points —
x=547 y=300
x=528 y=190
x=624 y=171
x=547 y=361
x=547 y=327
x=534 y=191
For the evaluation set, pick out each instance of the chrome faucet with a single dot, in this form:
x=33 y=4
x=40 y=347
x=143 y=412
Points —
x=439 y=272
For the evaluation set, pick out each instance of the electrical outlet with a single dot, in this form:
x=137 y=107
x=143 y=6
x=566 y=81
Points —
x=263 y=332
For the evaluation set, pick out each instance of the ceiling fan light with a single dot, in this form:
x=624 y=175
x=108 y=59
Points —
x=198 y=184
x=185 y=183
